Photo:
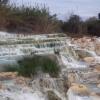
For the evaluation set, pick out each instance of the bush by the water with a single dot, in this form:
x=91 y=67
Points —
x=29 y=66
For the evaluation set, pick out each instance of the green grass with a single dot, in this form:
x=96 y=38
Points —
x=29 y=66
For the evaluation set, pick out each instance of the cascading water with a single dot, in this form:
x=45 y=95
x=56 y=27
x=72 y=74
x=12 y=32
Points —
x=71 y=56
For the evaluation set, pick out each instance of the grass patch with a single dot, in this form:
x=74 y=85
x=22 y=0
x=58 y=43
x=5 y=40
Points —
x=29 y=66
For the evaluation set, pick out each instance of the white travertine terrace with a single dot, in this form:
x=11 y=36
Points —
x=13 y=45
x=80 y=65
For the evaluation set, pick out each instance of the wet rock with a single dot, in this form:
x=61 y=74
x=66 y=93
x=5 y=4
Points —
x=8 y=75
x=5 y=98
x=93 y=94
x=97 y=67
x=97 y=48
x=85 y=42
x=8 y=98
x=89 y=59
x=80 y=89
x=98 y=85
x=52 y=96
x=71 y=78
x=2 y=87
x=14 y=89
x=49 y=84
x=82 y=54
x=43 y=83
x=22 y=81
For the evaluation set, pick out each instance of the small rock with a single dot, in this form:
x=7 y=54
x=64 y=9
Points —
x=89 y=59
x=21 y=81
x=98 y=85
x=7 y=75
x=97 y=67
x=97 y=47
x=52 y=96
x=2 y=87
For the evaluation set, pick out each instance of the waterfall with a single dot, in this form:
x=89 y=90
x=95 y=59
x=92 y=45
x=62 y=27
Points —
x=71 y=58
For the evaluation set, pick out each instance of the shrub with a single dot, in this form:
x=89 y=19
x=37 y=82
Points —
x=29 y=66
x=27 y=19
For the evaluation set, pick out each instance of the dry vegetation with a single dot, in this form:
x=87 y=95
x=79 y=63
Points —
x=39 y=20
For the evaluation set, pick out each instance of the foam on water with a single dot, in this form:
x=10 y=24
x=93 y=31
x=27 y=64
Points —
x=22 y=96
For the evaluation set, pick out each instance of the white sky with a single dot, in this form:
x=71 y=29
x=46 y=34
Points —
x=63 y=8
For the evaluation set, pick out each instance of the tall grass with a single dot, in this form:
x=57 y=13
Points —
x=28 y=19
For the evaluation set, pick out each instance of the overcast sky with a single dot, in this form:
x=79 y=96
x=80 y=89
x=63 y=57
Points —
x=63 y=8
